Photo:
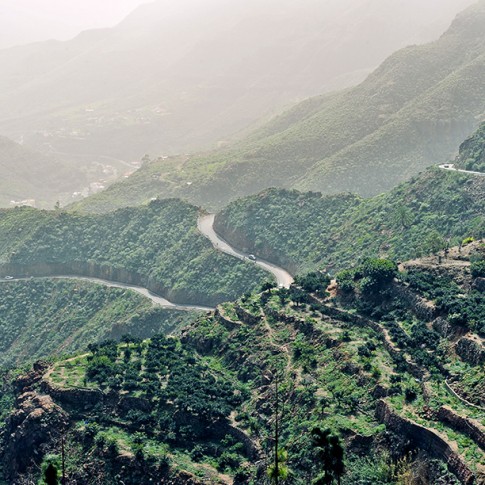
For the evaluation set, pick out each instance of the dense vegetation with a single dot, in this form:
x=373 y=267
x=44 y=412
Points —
x=472 y=152
x=306 y=230
x=158 y=243
x=43 y=318
x=412 y=112
x=172 y=412
x=466 y=309
x=320 y=362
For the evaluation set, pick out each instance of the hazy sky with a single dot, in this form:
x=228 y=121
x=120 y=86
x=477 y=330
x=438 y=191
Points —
x=23 y=21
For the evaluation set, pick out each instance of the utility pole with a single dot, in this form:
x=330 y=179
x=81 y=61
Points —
x=63 y=454
x=276 y=445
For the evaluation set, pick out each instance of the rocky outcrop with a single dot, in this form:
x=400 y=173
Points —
x=446 y=329
x=470 y=350
x=224 y=320
x=246 y=317
x=79 y=399
x=427 y=440
x=32 y=429
x=419 y=306
x=26 y=382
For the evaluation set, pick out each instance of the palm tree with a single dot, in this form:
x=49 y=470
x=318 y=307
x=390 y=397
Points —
x=403 y=216
x=50 y=475
x=330 y=452
x=278 y=470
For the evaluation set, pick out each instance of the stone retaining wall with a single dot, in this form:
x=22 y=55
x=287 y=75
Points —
x=463 y=425
x=427 y=440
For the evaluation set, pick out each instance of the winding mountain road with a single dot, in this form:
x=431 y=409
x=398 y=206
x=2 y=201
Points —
x=157 y=300
x=451 y=167
x=205 y=225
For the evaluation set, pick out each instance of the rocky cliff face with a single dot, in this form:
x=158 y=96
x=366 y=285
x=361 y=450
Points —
x=31 y=431
x=471 y=350
x=34 y=427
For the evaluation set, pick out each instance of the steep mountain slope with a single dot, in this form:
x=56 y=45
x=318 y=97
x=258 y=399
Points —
x=472 y=152
x=412 y=112
x=178 y=76
x=308 y=230
x=41 y=318
x=391 y=363
x=26 y=174
x=157 y=247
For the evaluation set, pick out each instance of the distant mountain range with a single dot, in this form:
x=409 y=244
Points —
x=27 y=21
x=410 y=113
x=173 y=78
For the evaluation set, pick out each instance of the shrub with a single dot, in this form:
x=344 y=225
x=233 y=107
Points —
x=477 y=269
x=410 y=394
x=315 y=282
x=346 y=280
x=380 y=270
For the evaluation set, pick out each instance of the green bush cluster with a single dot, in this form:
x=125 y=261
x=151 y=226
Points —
x=477 y=269
x=370 y=276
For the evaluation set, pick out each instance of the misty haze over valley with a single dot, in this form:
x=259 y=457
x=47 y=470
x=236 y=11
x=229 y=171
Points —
x=242 y=242
x=174 y=78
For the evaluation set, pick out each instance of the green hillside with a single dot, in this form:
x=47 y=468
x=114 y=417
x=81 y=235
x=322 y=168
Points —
x=410 y=113
x=155 y=246
x=396 y=380
x=182 y=76
x=303 y=231
x=472 y=152
x=43 y=318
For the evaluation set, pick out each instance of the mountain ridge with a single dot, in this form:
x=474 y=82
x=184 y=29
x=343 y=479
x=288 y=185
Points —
x=195 y=80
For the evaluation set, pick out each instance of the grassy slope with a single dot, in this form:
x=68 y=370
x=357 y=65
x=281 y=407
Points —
x=42 y=318
x=158 y=241
x=410 y=113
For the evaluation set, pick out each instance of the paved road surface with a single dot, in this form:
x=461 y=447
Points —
x=157 y=300
x=451 y=166
x=206 y=227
